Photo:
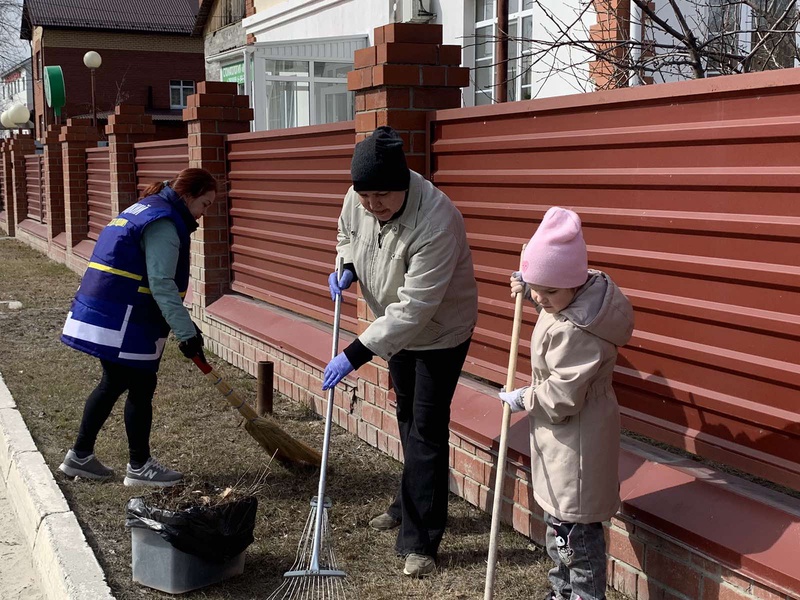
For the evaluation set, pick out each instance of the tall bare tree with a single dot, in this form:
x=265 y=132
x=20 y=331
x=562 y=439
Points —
x=12 y=49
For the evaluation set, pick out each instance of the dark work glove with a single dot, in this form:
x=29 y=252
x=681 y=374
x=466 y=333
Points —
x=193 y=347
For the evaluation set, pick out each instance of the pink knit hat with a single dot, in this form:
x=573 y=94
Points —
x=556 y=255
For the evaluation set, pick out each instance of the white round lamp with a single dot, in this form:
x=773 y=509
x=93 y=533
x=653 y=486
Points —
x=92 y=60
x=5 y=120
x=19 y=114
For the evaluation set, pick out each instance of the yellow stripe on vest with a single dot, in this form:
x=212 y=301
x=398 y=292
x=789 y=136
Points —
x=145 y=290
x=113 y=271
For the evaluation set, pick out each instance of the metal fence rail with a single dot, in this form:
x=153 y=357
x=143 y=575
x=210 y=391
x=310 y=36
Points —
x=286 y=192
x=35 y=189
x=689 y=201
x=98 y=178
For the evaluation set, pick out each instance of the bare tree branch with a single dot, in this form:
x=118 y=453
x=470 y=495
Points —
x=12 y=49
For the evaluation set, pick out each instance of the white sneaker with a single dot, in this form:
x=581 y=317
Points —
x=152 y=474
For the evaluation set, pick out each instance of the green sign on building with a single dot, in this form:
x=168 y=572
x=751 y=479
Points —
x=234 y=73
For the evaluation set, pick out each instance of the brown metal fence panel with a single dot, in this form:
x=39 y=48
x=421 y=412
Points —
x=689 y=200
x=159 y=161
x=286 y=192
x=98 y=176
x=34 y=182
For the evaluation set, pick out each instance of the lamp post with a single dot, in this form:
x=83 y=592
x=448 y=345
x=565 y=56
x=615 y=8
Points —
x=19 y=115
x=93 y=61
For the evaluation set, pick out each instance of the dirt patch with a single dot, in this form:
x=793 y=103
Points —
x=196 y=432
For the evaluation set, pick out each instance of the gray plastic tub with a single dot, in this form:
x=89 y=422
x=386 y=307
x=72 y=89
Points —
x=158 y=565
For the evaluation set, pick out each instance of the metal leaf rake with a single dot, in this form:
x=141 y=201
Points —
x=315 y=574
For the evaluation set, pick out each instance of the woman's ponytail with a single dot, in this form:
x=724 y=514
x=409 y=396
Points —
x=189 y=183
x=154 y=188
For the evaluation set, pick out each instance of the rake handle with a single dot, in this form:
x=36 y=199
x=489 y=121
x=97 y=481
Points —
x=317 y=542
x=488 y=592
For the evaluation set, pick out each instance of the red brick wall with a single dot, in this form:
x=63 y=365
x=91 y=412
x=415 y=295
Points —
x=125 y=75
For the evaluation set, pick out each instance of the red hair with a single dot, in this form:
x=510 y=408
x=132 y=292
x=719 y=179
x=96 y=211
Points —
x=191 y=183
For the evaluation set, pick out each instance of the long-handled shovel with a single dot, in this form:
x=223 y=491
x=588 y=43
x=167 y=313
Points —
x=488 y=592
x=272 y=438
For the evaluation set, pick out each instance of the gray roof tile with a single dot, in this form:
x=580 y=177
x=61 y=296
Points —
x=154 y=16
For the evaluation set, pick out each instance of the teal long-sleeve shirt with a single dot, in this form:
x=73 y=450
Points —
x=161 y=246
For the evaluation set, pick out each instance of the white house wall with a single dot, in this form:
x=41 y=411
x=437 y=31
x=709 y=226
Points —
x=566 y=70
x=287 y=20
x=304 y=19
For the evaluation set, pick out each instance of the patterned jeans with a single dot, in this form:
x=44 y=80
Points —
x=579 y=553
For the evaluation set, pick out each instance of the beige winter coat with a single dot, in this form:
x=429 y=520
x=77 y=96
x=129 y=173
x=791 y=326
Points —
x=415 y=271
x=574 y=416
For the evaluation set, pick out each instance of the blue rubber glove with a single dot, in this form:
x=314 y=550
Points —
x=337 y=285
x=336 y=370
x=513 y=399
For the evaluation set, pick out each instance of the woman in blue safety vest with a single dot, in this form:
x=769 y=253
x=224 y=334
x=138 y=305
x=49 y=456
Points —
x=130 y=297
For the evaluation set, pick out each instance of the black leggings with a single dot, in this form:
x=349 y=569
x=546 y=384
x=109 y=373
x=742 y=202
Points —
x=141 y=386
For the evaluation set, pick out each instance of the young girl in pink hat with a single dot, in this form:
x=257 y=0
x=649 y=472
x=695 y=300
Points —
x=573 y=412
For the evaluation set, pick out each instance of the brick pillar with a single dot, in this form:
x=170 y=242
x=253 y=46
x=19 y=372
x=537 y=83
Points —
x=613 y=25
x=211 y=114
x=398 y=81
x=54 y=184
x=407 y=73
x=127 y=126
x=21 y=144
x=75 y=137
x=7 y=184
x=249 y=11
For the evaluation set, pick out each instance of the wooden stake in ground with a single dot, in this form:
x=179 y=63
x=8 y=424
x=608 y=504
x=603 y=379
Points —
x=488 y=592
x=272 y=438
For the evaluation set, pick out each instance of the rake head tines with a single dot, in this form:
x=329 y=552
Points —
x=306 y=580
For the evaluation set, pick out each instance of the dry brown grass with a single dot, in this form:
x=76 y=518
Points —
x=196 y=432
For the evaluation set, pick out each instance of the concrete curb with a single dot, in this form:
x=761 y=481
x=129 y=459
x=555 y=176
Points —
x=66 y=566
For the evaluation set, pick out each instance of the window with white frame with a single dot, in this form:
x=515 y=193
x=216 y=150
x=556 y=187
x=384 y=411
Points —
x=306 y=92
x=520 y=34
x=179 y=91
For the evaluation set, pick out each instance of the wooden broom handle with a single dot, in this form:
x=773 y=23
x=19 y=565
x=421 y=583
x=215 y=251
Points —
x=488 y=592
x=227 y=391
x=201 y=364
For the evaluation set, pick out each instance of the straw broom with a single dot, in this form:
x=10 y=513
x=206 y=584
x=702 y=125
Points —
x=272 y=438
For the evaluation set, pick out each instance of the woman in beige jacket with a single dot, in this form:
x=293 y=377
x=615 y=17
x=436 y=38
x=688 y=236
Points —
x=574 y=416
x=404 y=241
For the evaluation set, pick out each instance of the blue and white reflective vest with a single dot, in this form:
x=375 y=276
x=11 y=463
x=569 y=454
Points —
x=114 y=316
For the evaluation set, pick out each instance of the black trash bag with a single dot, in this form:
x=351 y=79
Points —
x=215 y=533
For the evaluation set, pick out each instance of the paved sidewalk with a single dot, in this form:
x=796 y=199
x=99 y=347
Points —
x=43 y=552
x=18 y=579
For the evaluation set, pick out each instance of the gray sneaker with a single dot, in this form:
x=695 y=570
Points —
x=88 y=468
x=384 y=522
x=419 y=565
x=152 y=474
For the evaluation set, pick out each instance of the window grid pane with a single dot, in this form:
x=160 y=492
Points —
x=331 y=70
x=484 y=10
x=287 y=68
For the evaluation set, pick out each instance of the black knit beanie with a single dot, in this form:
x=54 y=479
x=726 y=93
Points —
x=379 y=163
